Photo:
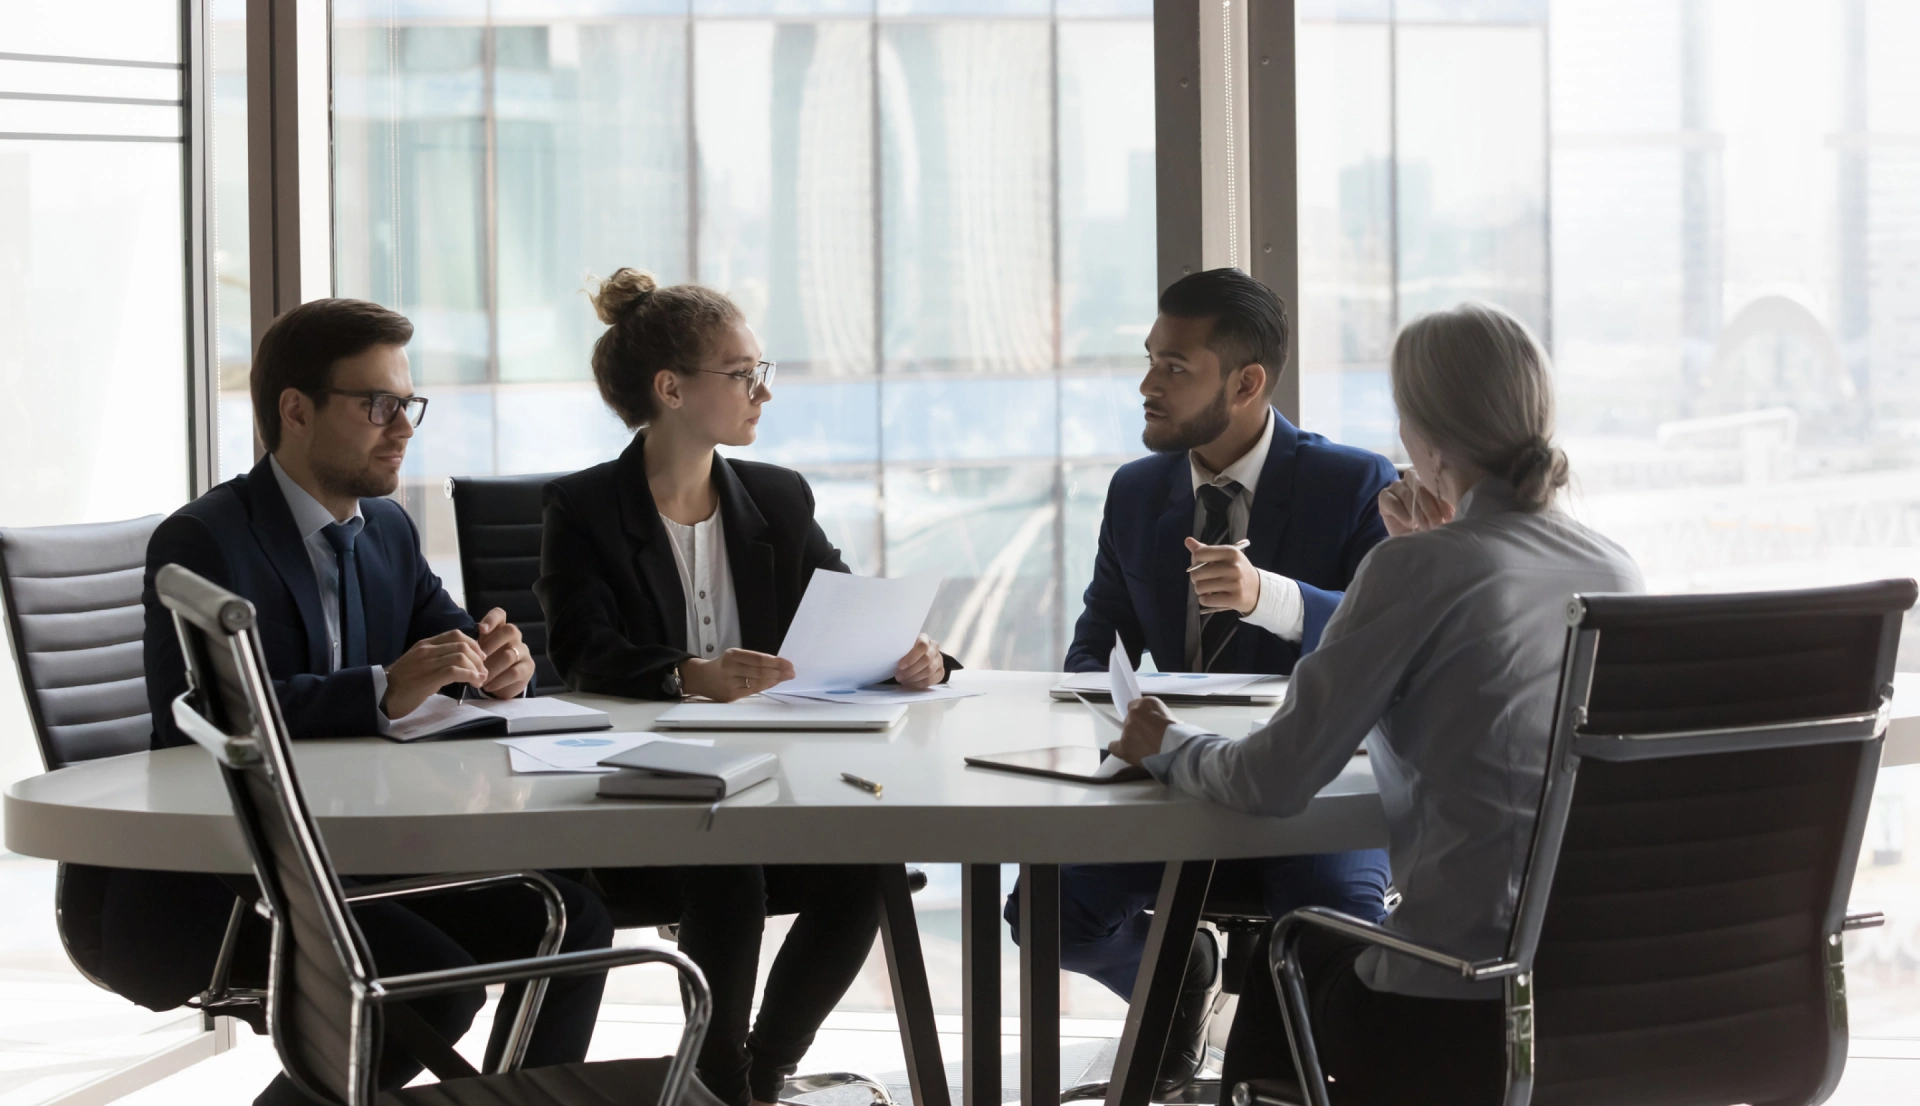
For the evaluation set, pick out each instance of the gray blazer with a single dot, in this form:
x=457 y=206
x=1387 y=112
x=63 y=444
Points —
x=1444 y=658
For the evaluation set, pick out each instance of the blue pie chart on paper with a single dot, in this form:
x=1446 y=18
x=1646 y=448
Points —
x=1192 y=676
x=582 y=742
x=844 y=691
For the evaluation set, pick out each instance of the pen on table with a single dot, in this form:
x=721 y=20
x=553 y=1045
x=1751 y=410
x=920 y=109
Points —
x=1241 y=544
x=868 y=786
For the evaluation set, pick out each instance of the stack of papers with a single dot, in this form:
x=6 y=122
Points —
x=1169 y=683
x=881 y=694
x=579 y=754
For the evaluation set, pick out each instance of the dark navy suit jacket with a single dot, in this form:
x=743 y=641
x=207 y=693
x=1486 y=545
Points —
x=1315 y=515
x=241 y=535
x=161 y=931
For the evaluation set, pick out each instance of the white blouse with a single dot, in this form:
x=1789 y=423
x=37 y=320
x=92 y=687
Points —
x=713 y=618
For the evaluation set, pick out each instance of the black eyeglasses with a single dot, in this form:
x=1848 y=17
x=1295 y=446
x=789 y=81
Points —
x=761 y=376
x=382 y=406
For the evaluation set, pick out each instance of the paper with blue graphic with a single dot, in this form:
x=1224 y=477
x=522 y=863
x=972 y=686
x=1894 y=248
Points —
x=579 y=753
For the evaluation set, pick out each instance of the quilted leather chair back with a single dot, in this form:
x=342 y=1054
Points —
x=75 y=621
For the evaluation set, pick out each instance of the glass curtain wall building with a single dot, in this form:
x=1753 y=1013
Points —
x=937 y=216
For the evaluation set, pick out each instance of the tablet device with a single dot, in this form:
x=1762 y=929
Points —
x=1078 y=763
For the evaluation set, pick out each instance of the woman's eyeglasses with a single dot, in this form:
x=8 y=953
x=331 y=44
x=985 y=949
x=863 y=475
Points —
x=382 y=406
x=760 y=376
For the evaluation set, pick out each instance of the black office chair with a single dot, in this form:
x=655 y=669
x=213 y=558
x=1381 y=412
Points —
x=75 y=622
x=1678 y=936
x=497 y=520
x=325 y=1005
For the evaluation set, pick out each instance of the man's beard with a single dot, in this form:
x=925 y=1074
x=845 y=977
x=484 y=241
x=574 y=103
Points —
x=365 y=482
x=1197 y=431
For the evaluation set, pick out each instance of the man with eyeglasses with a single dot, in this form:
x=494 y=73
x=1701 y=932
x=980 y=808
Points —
x=357 y=632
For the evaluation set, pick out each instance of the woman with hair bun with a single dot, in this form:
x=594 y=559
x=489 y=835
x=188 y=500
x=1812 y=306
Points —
x=1443 y=659
x=674 y=571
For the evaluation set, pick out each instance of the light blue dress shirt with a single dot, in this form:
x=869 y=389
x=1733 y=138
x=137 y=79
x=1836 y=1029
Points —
x=310 y=517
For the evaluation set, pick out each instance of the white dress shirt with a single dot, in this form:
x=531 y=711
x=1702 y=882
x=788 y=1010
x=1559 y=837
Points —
x=1279 y=611
x=713 y=617
x=309 y=519
x=1444 y=659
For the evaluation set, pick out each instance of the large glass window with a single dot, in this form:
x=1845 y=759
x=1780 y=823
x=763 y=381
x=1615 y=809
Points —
x=938 y=217
x=1710 y=211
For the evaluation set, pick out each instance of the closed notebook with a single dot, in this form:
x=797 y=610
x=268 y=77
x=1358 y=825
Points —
x=663 y=770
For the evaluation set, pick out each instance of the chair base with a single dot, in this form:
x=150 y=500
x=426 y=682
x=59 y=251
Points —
x=830 y=1080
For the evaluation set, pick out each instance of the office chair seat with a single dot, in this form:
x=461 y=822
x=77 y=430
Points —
x=608 y=1083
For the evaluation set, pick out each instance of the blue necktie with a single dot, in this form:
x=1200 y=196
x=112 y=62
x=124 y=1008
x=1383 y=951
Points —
x=1216 y=528
x=353 y=618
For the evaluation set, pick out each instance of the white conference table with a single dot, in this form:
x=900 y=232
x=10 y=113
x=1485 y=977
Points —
x=390 y=809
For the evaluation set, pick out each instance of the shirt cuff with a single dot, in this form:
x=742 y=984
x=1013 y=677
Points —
x=1280 y=610
x=1177 y=734
x=380 y=718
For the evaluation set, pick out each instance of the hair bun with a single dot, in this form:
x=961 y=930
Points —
x=1537 y=471
x=621 y=293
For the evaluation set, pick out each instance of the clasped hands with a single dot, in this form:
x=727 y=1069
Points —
x=738 y=673
x=494 y=661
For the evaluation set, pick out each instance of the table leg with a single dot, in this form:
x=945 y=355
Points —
x=912 y=1001
x=1176 y=915
x=980 y=983
x=1039 y=984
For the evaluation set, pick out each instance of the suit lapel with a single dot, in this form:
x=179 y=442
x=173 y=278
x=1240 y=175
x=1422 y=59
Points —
x=1170 y=560
x=273 y=528
x=652 y=551
x=378 y=604
x=1267 y=525
x=1273 y=500
x=750 y=560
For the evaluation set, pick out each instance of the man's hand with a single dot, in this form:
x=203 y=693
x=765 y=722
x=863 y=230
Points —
x=922 y=667
x=432 y=664
x=1146 y=724
x=1223 y=578
x=509 y=663
x=1407 y=507
x=734 y=674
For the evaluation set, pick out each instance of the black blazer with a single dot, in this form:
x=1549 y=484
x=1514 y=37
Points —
x=241 y=536
x=616 y=616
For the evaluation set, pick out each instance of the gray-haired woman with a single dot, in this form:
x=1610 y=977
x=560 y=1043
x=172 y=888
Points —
x=1443 y=659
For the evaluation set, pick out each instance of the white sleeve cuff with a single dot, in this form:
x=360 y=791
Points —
x=380 y=696
x=1280 y=611
x=1178 y=734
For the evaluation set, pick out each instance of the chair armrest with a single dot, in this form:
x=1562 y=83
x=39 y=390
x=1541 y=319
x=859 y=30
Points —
x=1866 y=919
x=1349 y=926
x=520 y=1035
x=679 y=1072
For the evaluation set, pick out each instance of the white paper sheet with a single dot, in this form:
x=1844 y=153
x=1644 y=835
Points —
x=1121 y=681
x=1171 y=683
x=580 y=753
x=851 y=631
x=869 y=695
x=437 y=713
x=543 y=707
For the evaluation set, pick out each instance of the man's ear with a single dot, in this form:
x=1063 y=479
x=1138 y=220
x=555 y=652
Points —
x=296 y=409
x=1253 y=384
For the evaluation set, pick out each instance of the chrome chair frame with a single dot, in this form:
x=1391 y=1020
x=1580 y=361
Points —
x=1571 y=742
x=204 y=614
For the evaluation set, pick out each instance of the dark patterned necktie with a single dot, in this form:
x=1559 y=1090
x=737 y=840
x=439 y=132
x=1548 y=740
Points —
x=1216 y=528
x=353 y=616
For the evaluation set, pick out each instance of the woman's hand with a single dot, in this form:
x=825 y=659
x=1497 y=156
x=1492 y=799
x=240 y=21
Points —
x=922 y=667
x=1147 y=723
x=1407 y=507
x=734 y=674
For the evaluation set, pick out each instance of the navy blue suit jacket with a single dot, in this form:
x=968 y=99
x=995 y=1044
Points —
x=1315 y=515
x=241 y=536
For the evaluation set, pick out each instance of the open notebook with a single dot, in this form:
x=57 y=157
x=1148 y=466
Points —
x=444 y=716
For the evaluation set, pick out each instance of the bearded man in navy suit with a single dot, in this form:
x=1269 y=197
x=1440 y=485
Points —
x=357 y=632
x=1172 y=578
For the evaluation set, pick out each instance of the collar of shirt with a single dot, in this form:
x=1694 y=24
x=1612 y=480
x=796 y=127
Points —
x=1245 y=472
x=1490 y=496
x=309 y=515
